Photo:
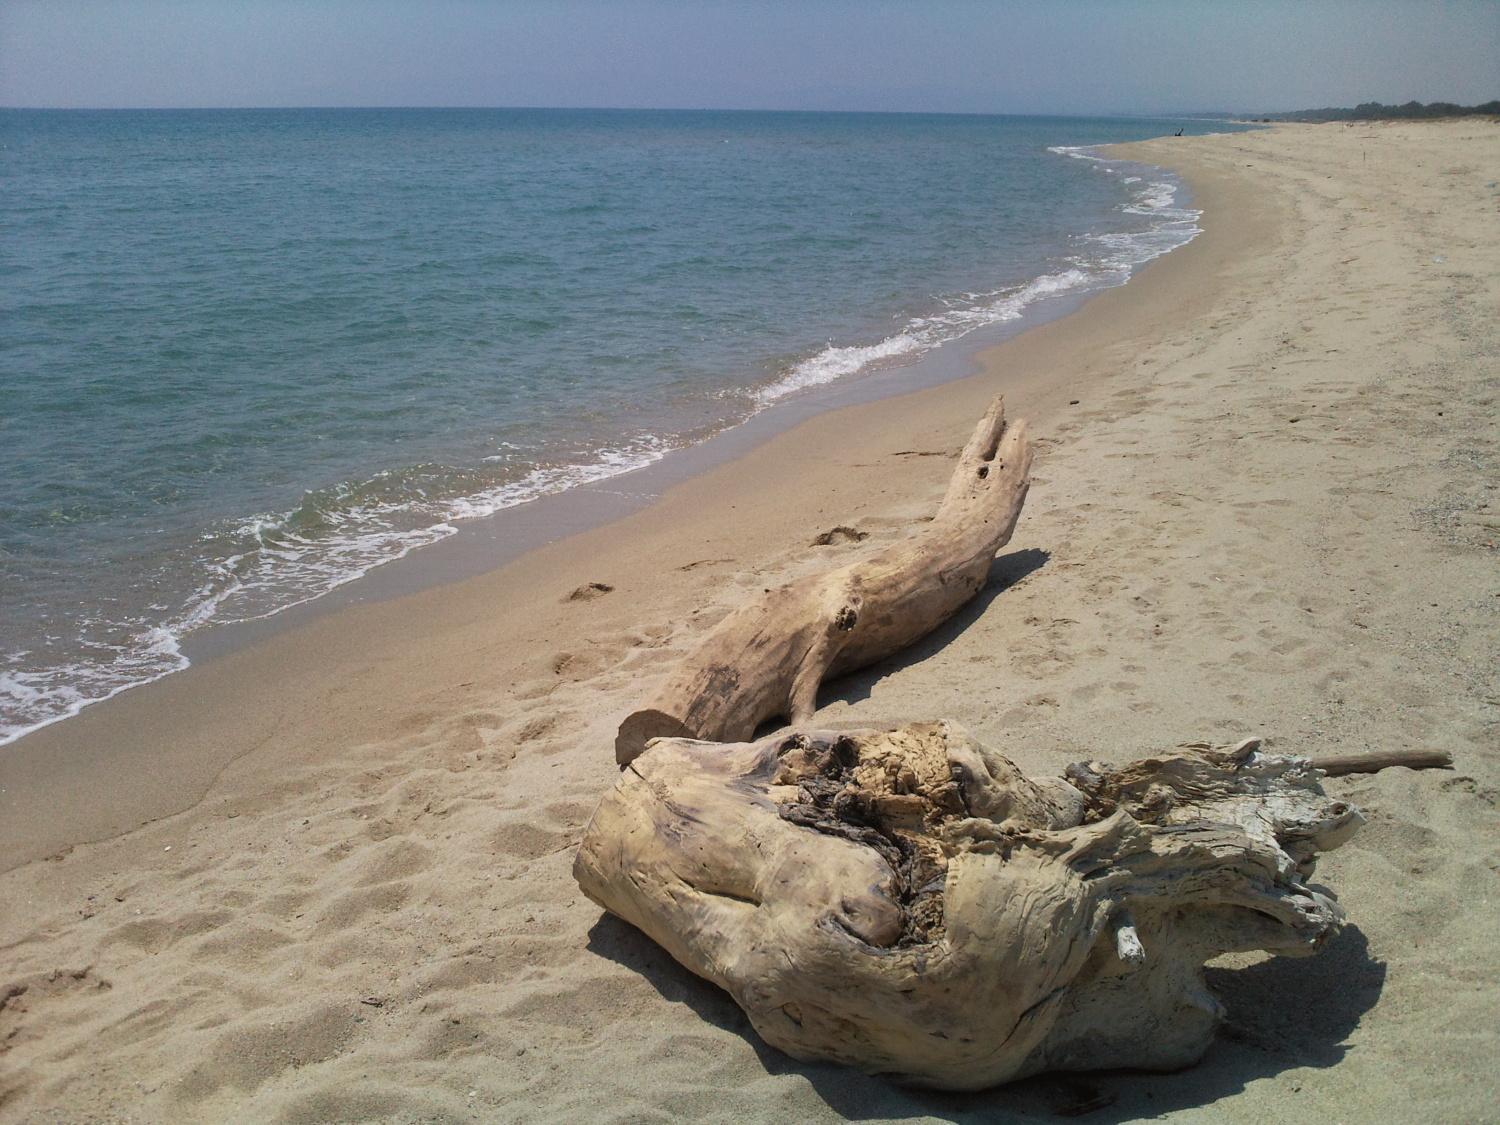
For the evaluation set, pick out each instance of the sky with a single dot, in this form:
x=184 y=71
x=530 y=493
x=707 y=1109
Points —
x=964 y=56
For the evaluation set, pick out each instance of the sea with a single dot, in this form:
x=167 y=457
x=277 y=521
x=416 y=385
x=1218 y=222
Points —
x=246 y=356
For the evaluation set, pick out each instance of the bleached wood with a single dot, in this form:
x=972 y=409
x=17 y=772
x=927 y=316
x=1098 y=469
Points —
x=910 y=902
x=769 y=657
x=1339 y=765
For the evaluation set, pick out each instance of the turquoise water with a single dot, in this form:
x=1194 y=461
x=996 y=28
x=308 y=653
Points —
x=247 y=355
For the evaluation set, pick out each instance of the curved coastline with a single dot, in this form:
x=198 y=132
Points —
x=167 y=740
x=923 y=352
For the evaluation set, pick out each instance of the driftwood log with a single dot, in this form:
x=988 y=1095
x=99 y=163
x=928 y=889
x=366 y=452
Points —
x=768 y=658
x=909 y=902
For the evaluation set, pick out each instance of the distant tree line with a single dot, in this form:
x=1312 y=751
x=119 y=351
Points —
x=1375 y=111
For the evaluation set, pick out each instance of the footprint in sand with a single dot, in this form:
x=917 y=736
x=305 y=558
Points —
x=20 y=999
x=348 y=908
x=589 y=591
x=252 y=1051
x=841 y=534
x=696 y=563
x=585 y=665
x=528 y=841
x=152 y=935
x=537 y=728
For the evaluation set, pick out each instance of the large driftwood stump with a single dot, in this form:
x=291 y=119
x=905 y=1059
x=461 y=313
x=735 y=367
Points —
x=767 y=658
x=909 y=902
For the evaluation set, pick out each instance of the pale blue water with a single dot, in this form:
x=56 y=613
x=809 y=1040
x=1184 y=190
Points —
x=247 y=355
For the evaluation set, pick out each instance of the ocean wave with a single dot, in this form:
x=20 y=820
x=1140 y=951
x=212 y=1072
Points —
x=35 y=698
x=1079 y=152
x=1108 y=260
x=268 y=563
x=922 y=334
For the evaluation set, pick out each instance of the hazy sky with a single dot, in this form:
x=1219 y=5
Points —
x=1061 y=56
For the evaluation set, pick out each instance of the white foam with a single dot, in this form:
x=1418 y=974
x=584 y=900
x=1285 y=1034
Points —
x=1078 y=152
x=1110 y=259
x=282 y=567
x=46 y=697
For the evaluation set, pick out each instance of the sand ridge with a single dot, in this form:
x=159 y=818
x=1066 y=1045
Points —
x=1271 y=512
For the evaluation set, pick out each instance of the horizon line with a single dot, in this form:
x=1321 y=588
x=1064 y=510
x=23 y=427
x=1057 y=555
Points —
x=1142 y=115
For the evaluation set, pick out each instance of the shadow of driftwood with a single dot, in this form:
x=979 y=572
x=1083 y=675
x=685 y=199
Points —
x=1005 y=572
x=1283 y=1014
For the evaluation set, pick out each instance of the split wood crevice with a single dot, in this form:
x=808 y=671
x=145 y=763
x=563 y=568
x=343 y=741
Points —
x=908 y=901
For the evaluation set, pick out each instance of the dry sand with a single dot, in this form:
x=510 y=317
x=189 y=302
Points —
x=1271 y=512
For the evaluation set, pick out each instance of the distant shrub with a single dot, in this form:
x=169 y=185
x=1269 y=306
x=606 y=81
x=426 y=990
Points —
x=1378 y=111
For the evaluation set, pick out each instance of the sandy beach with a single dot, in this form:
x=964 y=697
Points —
x=326 y=876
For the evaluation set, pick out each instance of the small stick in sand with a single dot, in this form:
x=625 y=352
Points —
x=1343 y=764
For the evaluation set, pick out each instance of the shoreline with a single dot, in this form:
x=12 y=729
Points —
x=479 y=533
x=497 y=539
x=1270 y=512
x=487 y=546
